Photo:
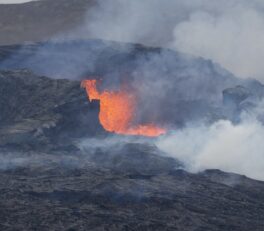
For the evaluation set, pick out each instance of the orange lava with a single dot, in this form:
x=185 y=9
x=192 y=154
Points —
x=117 y=109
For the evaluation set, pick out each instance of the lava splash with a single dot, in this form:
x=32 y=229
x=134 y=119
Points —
x=117 y=111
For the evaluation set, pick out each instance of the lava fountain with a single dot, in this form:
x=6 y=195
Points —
x=117 y=111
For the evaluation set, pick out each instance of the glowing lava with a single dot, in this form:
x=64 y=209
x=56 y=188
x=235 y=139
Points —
x=117 y=109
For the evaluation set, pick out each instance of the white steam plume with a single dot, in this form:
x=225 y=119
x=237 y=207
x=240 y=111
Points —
x=229 y=32
x=232 y=148
x=233 y=39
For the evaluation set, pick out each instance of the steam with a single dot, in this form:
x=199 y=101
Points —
x=229 y=32
x=41 y=161
x=223 y=145
x=11 y=160
x=172 y=87
x=232 y=39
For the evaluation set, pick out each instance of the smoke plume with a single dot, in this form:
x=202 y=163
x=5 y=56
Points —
x=228 y=32
x=173 y=89
x=223 y=145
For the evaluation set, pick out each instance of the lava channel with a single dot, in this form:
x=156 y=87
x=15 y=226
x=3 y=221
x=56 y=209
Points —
x=117 y=110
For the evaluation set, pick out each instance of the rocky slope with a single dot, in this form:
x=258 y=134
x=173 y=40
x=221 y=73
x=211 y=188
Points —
x=38 y=111
x=40 y=20
x=71 y=192
x=186 y=88
x=60 y=171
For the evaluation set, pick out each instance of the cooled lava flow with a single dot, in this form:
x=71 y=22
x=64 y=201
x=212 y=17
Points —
x=117 y=110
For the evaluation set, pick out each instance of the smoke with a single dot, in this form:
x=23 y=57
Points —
x=12 y=160
x=222 y=145
x=232 y=39
x=41 y=161
x=172 y=88
x=229 y=32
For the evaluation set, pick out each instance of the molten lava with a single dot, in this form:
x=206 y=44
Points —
x=117 y=110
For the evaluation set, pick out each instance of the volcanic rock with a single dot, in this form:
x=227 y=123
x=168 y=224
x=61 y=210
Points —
x=233 y=98
x=235 y=95
x=134 y=158
x=58 y=172
x=37 y=111
x=67 y=192
x=40 y=20
x=61 y=171
x=116 y=63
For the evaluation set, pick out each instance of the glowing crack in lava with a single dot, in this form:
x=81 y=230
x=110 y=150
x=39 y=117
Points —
x=117 y=109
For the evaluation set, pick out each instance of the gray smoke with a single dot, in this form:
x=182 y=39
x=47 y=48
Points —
x=222 y=145
x=171 y=88
x=183 y=92
x=42 y=161
x=229 y=32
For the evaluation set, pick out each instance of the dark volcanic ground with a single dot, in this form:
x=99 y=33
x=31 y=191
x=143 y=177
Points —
x=60 y=170
x=56 y=174
x=41 y=20
x=55 y=197
x=172 y=87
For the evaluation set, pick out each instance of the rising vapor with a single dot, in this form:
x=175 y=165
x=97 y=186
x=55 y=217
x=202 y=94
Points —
x=228 y=32
x=223 y=145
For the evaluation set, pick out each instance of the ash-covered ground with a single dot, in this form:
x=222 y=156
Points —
x=60 y=170
x=62 y=191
